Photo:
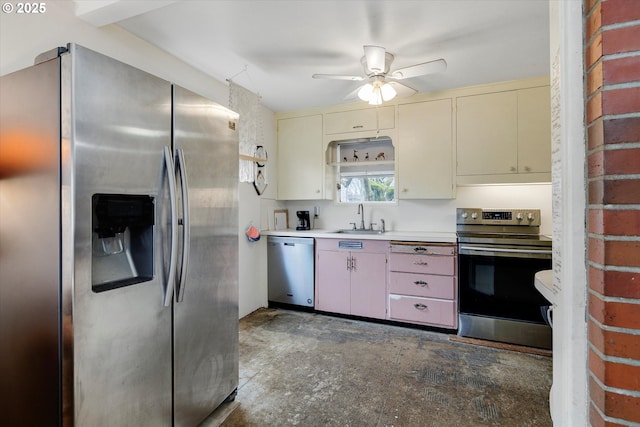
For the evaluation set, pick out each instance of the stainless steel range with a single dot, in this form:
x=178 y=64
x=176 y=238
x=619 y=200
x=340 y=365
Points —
x=499 y=252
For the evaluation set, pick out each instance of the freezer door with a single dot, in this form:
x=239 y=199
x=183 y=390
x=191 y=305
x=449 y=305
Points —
x=206 y=306
x=30 y=246
x=118 y=120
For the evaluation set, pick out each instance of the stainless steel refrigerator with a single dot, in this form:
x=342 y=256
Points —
x=118 y=247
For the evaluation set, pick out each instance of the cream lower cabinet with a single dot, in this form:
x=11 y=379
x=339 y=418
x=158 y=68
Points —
x=300 y=158
x=423 y=285
x=425 y=150
x=351 y=277
x=504 y=136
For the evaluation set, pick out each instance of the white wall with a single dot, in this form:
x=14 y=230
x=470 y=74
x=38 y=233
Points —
x=23 y=37
x=432 y=215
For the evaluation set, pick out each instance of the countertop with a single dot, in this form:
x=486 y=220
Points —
x=409 y=236
x=544 y=284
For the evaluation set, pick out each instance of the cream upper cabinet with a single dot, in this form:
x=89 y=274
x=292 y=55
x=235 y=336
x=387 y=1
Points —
x=504 y=136
x=534 y=130
x=425 y=150
x=487 y=133
x=300 y=158
x=359 y=120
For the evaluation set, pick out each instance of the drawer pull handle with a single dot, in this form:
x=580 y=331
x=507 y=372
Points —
x=422 y=283
x=419 y=249
x=420 y=263
x=420 y=307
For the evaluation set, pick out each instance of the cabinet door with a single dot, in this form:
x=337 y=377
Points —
x=300 y=158
x=487 y=133
x=425 y=150
x=368 y=285
x=366 y=119
x=332 y=281
x=534 y=130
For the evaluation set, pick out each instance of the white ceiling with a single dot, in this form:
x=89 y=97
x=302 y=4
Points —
x=272 y=47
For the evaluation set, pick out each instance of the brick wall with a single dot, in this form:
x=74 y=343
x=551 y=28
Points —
x=612 y=64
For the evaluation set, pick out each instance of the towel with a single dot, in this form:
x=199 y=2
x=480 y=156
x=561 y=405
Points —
x=253 y=234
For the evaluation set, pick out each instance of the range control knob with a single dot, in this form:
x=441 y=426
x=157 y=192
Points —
x=530 y=216
x=474 y=215
x=465 y=215
x=519 y=216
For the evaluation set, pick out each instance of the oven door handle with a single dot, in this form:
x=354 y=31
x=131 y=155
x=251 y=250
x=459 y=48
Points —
x=534 y=253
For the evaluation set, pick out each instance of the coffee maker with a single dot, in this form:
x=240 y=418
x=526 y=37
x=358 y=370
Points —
x=303 y=220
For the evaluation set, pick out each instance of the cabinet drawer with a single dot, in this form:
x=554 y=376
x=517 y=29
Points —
x=430 y=264
x=423 y=249
x=422 y=285
x=422 y=310
x=352 y=245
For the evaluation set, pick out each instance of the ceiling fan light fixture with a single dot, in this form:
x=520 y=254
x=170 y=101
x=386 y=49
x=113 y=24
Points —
x=365 y=92
x=376 y=92
x=388 y=92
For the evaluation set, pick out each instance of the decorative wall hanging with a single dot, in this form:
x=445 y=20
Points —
x=260 y=170
x=247 y=105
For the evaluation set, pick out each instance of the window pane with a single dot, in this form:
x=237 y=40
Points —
x=367 y=188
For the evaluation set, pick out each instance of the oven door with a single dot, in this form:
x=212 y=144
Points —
x=498 y=281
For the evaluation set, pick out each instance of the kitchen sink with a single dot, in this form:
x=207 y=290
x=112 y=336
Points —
x=352 y=231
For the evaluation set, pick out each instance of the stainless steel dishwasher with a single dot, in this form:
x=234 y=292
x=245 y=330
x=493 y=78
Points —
x=290 y=270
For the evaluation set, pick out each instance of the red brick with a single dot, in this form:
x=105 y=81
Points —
x=621 y=222
x=588 y=4
x=612 y=374
x=594 y=107
x=620 y=11
x=616 y=344
x=593 y=51
x=621 y=130
x=595 y=164
x=593 y=23
x=622 y=406
x=621 y=284
x=620 y=70
x=621 y=161
x=595 y=134
x=595 y=78
x=595 y=224
x=620 y=101
x=596 y=192
x=623 y=253
x=596 y=250
x=620 y=40
x=613 y=313
x=596 y=420
x=621 y=191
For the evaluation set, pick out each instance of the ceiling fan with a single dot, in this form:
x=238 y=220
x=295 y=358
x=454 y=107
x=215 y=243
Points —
x=382 y=85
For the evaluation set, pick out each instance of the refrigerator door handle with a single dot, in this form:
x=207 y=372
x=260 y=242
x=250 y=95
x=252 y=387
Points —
x=186 y=236
x=168 y=291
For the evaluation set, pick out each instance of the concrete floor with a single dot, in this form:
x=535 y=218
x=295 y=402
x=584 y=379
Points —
x=308 y=369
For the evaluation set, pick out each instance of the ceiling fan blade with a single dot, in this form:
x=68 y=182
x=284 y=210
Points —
x=353 y=94
x=431 y=67
x=403 y=91
x=375 y=56
x=337 y=77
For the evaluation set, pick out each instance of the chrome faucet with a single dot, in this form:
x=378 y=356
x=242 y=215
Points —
x=361 y=212
x=382 y=226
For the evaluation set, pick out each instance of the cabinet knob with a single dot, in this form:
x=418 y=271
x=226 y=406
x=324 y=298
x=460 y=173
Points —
x=420 y=263
x=420 y=307
x=513 y=169
x=405 y=190
x=421 y=283
x=527 y=169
